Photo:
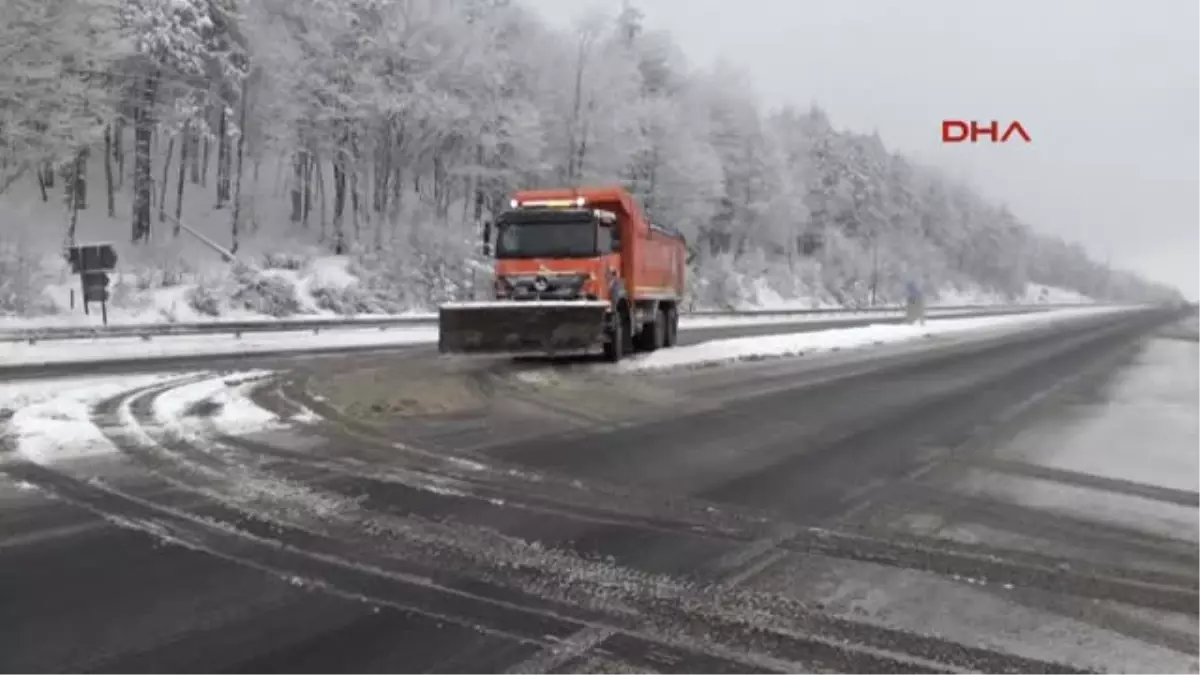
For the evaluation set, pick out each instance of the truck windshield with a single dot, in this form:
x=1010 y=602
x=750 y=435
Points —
x=517 y=239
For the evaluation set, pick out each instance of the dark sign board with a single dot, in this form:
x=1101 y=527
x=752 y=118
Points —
x=91 y=257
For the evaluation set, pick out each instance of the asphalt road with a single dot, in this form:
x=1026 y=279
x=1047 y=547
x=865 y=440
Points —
x=574 y=523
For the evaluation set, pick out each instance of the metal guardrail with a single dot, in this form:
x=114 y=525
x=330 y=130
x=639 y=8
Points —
x=147 y=331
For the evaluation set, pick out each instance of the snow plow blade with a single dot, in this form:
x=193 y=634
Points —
x=521 y=327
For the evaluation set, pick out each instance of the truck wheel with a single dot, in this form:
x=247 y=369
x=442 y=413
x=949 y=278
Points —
x=671 y=327
x=652 y=335
x=614 y=349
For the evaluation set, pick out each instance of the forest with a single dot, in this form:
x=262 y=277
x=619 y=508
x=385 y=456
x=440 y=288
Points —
x=389 y=131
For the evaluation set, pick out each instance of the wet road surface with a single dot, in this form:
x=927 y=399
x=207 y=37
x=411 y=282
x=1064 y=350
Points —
x=571 y=520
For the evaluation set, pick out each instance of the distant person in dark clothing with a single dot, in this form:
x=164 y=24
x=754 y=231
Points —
x=916 y=304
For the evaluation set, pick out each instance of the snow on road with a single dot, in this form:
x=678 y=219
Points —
x=1143 y=429
x=222 y=402
x=51 y=419
x=759 y=347
x=981 y=613
x=1148 y=428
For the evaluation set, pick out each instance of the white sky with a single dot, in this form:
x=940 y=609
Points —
x=1109 y=90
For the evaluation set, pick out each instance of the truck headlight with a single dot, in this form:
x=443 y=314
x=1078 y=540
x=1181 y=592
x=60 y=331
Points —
x=589 y=286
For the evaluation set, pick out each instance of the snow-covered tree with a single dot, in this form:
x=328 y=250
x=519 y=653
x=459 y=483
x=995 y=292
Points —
x=394 y=129
x=56 y=86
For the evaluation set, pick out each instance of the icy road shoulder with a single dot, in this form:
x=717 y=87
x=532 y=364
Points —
x=760 y=347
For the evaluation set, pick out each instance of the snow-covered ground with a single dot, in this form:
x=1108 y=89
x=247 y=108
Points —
x=316 y=276
x=1144 y=430
x=793 y=344
x=172 y=304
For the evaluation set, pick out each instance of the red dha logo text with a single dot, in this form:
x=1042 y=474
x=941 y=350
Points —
x=957 y=131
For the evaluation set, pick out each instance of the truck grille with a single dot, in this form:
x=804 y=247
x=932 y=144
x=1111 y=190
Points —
x=546 y=287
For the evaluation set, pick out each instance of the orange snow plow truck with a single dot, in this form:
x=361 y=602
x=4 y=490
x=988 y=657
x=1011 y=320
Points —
x=576 y=270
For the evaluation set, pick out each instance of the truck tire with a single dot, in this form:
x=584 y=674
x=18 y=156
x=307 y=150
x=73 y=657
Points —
x=653 y=334
x=614 y=349
x=670 y=327
x=658 y=333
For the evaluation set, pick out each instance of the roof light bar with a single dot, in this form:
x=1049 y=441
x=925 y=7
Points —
x=552 y=203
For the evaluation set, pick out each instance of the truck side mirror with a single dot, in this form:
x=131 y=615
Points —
x=487 y=237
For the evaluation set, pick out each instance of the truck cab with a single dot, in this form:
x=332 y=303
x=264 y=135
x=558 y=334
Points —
x=556 y=250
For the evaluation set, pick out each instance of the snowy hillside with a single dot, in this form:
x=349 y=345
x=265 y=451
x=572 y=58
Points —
x=337 y=287
x=385 y=133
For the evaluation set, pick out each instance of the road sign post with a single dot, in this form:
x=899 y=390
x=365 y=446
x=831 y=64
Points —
x=93 y=263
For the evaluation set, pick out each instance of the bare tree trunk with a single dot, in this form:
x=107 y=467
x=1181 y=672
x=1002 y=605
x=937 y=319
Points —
x=398 y=185
x=583 y=144
x=119 y=149
x=298 y=164
x=576 y=107
x=441 y=189
x=241 y=144
x=354 y=166
x=162 y=194
x=194 y=151
x=108 y=173
x=142 y=178
x=383 y=169
x=308 y=175
x=207 y=144
x=222 y=153
x=79 y=166
x=339 y=200
x=479 y=184
x=321 y=197
x=42 y=185
x=81 y=176
x=874 y=268
x=184 y=151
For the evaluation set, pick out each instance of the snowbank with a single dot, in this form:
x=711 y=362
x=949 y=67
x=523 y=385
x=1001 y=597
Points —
x=1039 y=293
x=701 y=321
x=757 y=348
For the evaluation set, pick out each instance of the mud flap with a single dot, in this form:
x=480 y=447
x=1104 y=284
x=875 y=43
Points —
x=521 y=327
